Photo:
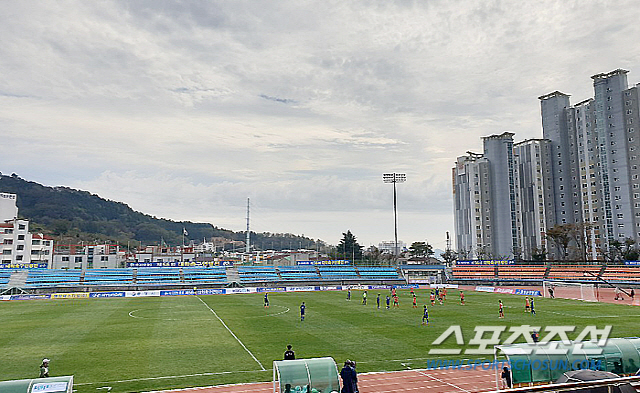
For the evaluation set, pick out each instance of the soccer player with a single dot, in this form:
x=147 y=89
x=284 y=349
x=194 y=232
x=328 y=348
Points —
x=533 y=310
x=527 y=305
x=388 y=299
x=412 y=293
x=378 y=301
x=393 y=291
x=415 y=301
x=500 y=309
x=303 y=308
x=462 y=298
x=444 y=294
x=364 y=298
x=432 y=297
x=349 y=293
x=438 y=293
x=396 y=302
x=425 y=316
x=266 y=300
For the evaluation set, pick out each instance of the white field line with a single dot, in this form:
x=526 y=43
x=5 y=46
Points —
x=234 y=336
x=445 y=382
x=169 y=377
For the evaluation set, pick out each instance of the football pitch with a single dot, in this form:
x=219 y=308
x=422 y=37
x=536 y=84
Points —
x=144 y=344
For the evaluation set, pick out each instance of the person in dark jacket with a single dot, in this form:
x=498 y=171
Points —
x=349 y=378
x=289 y=354
x=44 y=368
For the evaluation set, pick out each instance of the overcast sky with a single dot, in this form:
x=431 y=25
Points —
x=184 y=110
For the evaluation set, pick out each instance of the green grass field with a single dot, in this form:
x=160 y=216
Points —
x=141 y=344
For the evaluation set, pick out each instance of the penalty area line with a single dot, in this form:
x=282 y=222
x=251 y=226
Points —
x=234 y=336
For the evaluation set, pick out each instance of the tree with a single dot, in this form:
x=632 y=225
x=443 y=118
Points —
x=560 y=236
x=421 y=249
x=349 y=247
x=539 y=254
x=449 y=256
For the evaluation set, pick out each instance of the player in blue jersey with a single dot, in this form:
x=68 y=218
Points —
x=303 y=308
x=266 y=300
x=425 y=316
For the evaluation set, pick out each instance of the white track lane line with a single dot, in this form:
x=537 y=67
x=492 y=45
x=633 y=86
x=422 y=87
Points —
x=234 y=336
x=445 y=382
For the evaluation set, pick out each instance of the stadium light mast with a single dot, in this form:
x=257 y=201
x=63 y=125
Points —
x=394 y=178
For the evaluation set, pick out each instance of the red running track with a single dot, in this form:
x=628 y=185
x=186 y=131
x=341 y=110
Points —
x=435 y=381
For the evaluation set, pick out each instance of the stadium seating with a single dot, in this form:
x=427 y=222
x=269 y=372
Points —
x=574 y=272
x=473 y=273
x=378 y=273
x=298 y=273
x=257 y=274
x=157 y=276
x=51 y=278
x=4 y=278
x=622 y=274
x=338 y=273
x=205 y=275
x=108 y=277
x=521 y=273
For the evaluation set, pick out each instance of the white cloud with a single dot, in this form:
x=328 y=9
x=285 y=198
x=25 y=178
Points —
x=183 y=110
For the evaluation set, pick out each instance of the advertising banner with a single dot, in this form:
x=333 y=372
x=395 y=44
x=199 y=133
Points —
x=527 y=292
x=29 y=297
x=632 y=263
x=448 y=286
x=211 y=291
x=485 y=263
x=180 y=264
x=485 y=289
x=177 y=292
x=505 y=290
x=23 y=265
x=300 y=289
x=107 y=294
x=141 y=293
x=340 y=262
x=70 y=295
x=277 y=289
x=241 y=290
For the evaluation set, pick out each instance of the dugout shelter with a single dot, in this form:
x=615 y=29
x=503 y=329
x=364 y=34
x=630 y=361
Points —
x=38 y=385
x=317 y=375
x=545 y=362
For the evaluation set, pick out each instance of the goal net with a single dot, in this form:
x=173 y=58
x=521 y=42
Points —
x=570 y=290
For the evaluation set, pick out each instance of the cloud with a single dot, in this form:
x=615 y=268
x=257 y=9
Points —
x=184 y=110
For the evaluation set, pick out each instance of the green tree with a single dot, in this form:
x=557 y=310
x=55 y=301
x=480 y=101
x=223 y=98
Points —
x=349 y=247
x=421 y=249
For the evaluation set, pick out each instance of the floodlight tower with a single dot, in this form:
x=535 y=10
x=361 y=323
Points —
x=394 y=178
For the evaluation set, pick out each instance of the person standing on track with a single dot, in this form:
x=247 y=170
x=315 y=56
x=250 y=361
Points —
x=289 y=354
x=44 y=368
x=349 y=377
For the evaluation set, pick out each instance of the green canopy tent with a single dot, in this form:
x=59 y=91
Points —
x=39 y=385
x=546 y=362
x=318 y=375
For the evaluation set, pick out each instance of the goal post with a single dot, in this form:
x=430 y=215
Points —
x=570 y=290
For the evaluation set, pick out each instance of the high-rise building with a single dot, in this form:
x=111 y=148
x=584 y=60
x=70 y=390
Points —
x=485 y=200
x=584 y=173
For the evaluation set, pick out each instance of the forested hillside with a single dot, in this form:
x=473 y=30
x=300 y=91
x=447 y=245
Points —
x=72 y=215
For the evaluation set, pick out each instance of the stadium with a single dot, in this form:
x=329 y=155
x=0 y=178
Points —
x=209 y=329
